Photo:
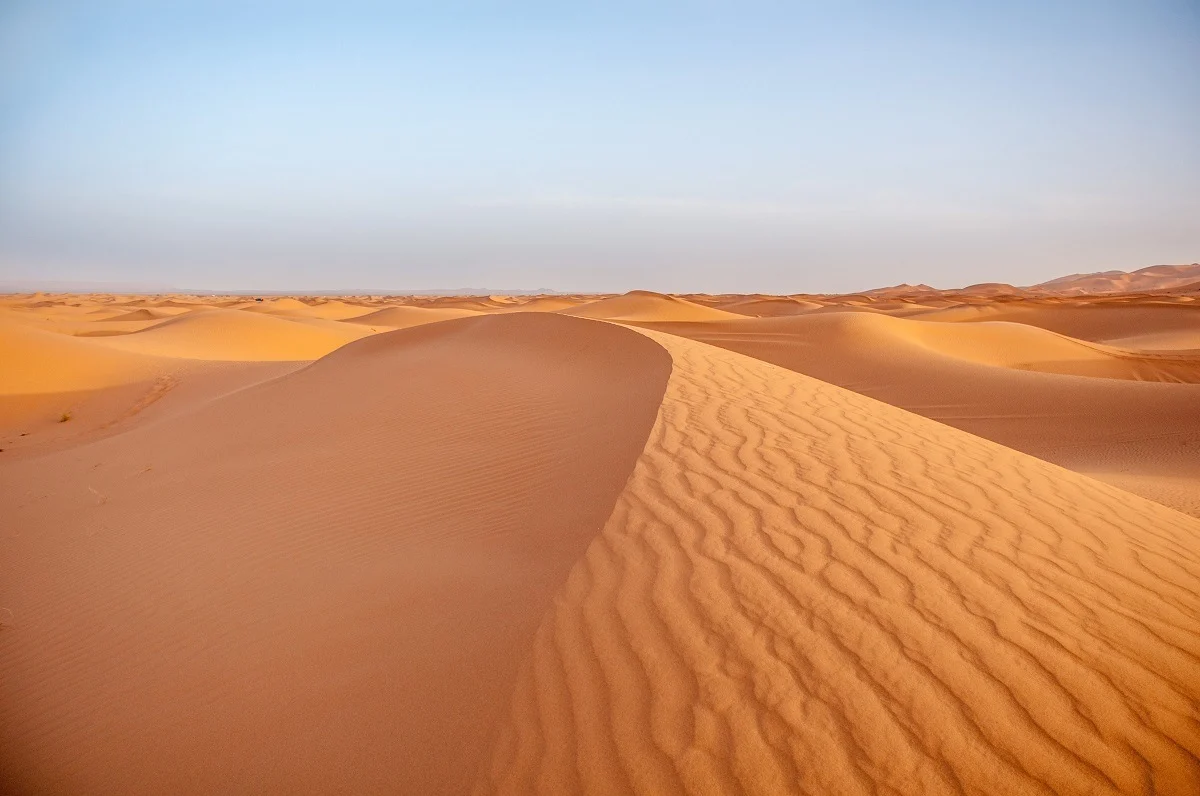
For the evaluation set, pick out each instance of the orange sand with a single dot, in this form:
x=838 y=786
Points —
x=603 y=544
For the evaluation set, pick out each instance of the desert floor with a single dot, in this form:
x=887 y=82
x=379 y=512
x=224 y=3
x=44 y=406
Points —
x=870 y=544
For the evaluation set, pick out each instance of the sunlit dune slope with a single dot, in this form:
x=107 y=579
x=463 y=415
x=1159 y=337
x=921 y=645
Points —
x=802 y=590
x=641 y=305
x=769 y=306
x=223 y=334
x=330 y=309
x=1011 y=345
x=404 y=317
x=147 y=314
x=322 y=584
x=35 y=361
x=1110 y=428
x=545 y=304
x=1107 y=322
x=278 y=306
x=997 y=344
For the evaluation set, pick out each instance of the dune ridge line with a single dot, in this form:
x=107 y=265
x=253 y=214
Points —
x=802 y=590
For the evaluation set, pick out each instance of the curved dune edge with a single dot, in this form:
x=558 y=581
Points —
x=804 y=590
x=34 y=361
x=404 y=317
x=238 y=335
x=644 y=305
x=321 y=584
x=1105 y=428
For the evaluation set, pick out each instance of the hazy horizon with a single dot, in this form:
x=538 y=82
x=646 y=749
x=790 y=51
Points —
x=763 y=147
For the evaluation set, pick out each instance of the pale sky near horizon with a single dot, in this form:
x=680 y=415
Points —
x=819 y=146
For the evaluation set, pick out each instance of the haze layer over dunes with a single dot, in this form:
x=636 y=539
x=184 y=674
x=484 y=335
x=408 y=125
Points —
x=702 y=544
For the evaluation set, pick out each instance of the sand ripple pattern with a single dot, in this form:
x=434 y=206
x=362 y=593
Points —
x=802 y=590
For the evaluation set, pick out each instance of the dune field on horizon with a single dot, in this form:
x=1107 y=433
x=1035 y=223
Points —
x=903 y=541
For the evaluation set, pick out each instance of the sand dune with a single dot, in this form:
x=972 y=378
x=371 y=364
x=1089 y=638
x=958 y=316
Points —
x=37 y=361
x=325 y=583
x=146 y=314
x=1097 y=323
x=279 y=306
x=804 y=591
x=545 y=304
x=404 y=317
x=997 y=344
x=1155 y=277
x=641 y=305
x=1108 y=428
x=764 y=307
x=222 y=334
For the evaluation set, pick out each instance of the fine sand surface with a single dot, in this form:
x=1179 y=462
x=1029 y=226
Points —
x=1009 y=383
x=322 y=584
x=602 y=544
x=803 y=590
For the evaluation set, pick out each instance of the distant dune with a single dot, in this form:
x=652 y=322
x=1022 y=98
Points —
x=236 y=335
x=1155 y=277
x=641 y=305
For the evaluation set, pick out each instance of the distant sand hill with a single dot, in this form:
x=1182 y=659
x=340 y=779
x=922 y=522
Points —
x=1155 y=277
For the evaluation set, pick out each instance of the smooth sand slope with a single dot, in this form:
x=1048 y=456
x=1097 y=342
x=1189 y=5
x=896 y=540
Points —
x=222 y=334
x=324 y=583
x=1109 y=322
x=38 y=361
x=802 y=590
x=642 y=305
x=1142 y=436
x=406 y=317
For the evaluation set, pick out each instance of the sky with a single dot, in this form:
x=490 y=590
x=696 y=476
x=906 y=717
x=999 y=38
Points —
x=823 y=146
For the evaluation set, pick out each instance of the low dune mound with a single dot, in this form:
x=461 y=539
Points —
x=1100 y=323
x=802 y=590
x=279 y=306
x=223 y=334
x=321 y=584
x=768 y=307
x=329 y=309
x=1108 y=428
x=544 y=304
x=36 y=361
x=403 y=317
x=996 y=344
x=643 y=305
x=149 y=314
x=1180 y=340
x=336 y=310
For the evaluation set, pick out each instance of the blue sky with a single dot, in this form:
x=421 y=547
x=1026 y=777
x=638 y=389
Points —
x=706 y=146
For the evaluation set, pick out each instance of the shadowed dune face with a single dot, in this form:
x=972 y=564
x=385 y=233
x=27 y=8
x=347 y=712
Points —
x=323 y=583
x=802 y=590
